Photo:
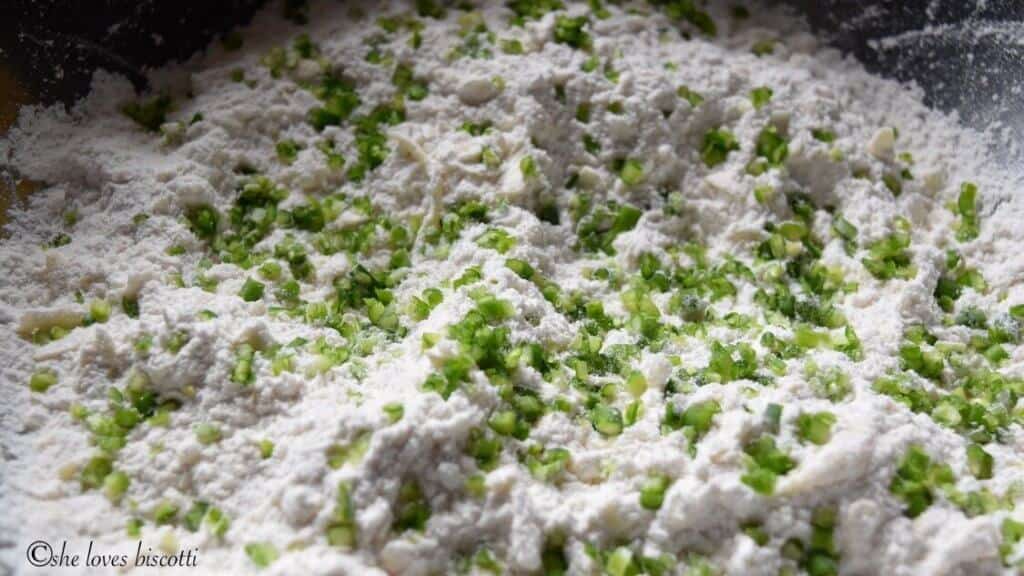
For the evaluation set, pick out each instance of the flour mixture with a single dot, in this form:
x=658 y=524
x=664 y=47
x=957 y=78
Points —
x=536 y=287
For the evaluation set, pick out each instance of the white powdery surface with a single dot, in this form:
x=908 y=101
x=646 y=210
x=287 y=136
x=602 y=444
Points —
x=98 y=163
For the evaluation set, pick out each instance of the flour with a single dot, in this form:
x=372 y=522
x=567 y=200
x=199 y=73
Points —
x=336 y=375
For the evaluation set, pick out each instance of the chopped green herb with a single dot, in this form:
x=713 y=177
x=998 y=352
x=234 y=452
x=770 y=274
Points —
x=95 y=472
x=60 y=239
x=339 y=101
x=341 y=532
x=262 y=554
x=893 y=183
x=767 y=463
x=511 y=46
x=695 y=421
x=599 y=229
x=760 y=96
x=266 y=448
x=888 y=258
x=496 y=239
x=476 y=128
x=532 y=9
x=412 y=511
x=130 y=305
x=134 y=527
x=203 y=221
x=694 y=98
x=339 y=455
x=217 y=522
x=917 y=479
x=583 y=112
x=842 y=228
x=42 y=380
x=570 y=31
x=407 y=84
x=763 y=48
x=652 y=492
x=243 y=373
x=547 y=465
x=251 y=290
x=1012 y=532
x=815 y=428
x=606 y=420
x=771 y=146
x=99 y=312
x=528 y=166
x=687 y=10
x=979 y=462
x=194 y=517
x=967 y=207
x=150 y=114
x=115 y=485
x=394 y=412
x=207 y=433
x=632 y=172
x=718 y=144
x=287 y=151
x=823 y=135
x=165 y=513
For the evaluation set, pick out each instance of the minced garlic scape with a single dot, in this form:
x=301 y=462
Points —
x=536 y=287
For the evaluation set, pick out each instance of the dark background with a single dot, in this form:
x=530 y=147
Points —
x=54 y=45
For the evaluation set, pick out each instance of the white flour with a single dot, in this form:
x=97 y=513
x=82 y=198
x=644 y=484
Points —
x=328 y=403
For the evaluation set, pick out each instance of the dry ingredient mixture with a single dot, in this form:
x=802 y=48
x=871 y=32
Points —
x=536 y=287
